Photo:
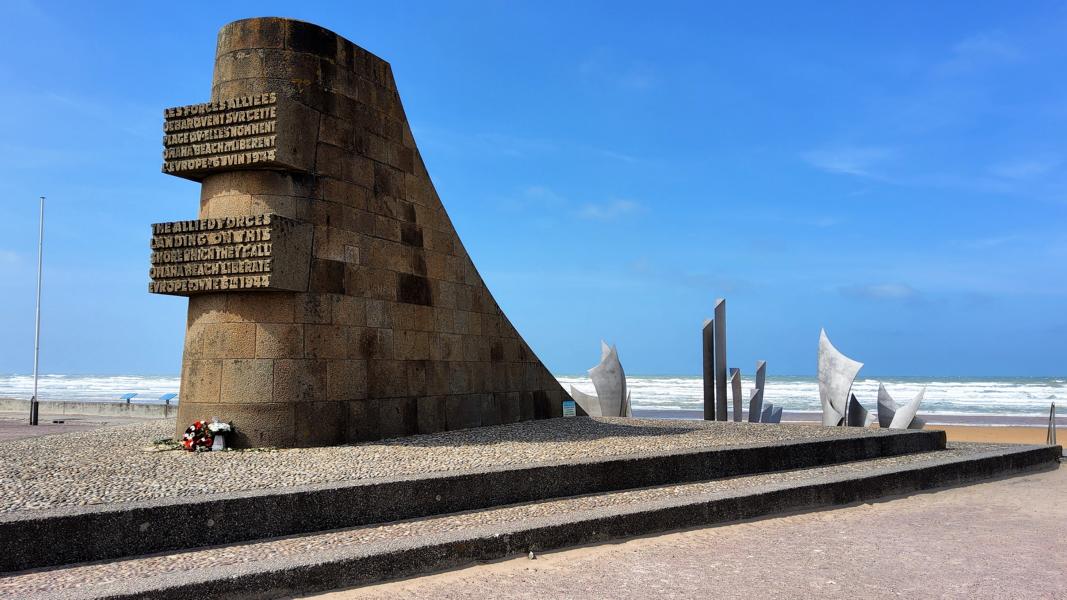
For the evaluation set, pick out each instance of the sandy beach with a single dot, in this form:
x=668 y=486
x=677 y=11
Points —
x=994 y=434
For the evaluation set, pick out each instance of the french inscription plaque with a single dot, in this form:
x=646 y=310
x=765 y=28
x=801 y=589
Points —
x=254 y=252
x=261 y=131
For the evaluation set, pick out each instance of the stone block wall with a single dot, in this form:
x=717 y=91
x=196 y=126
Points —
x=396 y=333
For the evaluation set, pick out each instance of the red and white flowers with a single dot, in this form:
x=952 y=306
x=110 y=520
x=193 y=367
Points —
x=197 y=437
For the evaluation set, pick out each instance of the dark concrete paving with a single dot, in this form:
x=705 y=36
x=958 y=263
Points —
x=1001 y=539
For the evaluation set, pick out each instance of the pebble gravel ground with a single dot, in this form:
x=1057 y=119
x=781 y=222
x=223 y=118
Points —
x=309 y=547
x=119 y=464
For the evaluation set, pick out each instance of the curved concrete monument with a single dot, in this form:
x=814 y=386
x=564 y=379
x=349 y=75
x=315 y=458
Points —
x=836 y=374
x=890 y=416
x=330 y=298
x=612 y=398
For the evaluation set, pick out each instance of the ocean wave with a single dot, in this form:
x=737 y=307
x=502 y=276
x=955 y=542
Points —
x=947 y=396
x=1008 y=396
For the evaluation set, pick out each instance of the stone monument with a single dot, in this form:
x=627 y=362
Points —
x=330 y=298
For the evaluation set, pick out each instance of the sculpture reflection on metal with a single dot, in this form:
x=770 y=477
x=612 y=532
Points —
x=836 y=374
x=857 y=415
x=890 y=416
x=612 y=399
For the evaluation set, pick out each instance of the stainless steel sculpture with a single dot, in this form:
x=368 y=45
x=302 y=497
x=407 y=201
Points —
x=765 y=414
x=890 y=416
x=836 y=374
x=776 y=415
x=720 y=359
x=857 y=415
x=756 y=403
x=1050 y=437
x=612 y=399
x=708 y=339
x=905 y=415
x=589 y=403
x=735 y=388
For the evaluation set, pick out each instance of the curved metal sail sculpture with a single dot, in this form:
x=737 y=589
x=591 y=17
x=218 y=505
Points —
x=836 y=374
x=890 y=416
x=612 y=398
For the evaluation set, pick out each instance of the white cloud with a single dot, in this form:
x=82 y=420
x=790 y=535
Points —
x=609 y=210
x=990 y=242
x=8 y=257
x=1024 y=168
x=880 y=291
x=861 y=161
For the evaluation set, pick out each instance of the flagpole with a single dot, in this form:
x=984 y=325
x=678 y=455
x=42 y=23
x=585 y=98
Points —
x=37 y=326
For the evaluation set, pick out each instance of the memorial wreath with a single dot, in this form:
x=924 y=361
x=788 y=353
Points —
x=198 y=437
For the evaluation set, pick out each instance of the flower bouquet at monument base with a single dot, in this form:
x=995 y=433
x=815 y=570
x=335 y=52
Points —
x=202 y=436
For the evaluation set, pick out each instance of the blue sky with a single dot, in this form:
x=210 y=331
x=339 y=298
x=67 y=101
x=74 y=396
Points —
x=894 y=172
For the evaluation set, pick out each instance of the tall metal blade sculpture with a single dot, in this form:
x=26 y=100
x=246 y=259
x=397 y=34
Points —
x=708 y=343
x=890 y=416
x=589 y=403
x=886 y=407
x=1050 y=438
x=836 y=374
x=765 y=414
x=776 y=414
x=735 y=388
x=755 y=405
x=612 y=398
x=720 y=359
x=857 y=415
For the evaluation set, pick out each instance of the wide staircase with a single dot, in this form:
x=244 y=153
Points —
x=287 y=540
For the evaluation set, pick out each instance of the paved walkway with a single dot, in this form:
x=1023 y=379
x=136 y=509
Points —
x=1002 y=539
x=17 y=426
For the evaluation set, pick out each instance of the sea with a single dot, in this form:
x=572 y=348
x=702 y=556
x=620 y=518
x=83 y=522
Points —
x=975 y=400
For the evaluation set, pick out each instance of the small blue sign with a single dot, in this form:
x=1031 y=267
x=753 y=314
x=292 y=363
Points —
x=568 y=408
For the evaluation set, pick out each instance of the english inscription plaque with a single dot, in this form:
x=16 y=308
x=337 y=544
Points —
x=254 y=252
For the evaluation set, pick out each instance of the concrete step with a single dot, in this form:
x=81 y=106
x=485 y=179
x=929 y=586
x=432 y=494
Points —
x=361 y=555
x=64 y=535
